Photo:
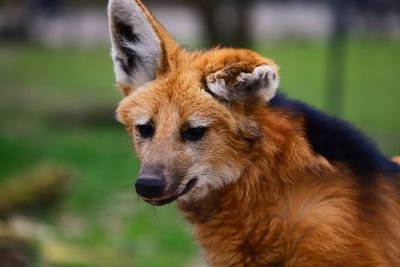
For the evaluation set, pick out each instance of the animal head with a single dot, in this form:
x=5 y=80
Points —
x=191 y=115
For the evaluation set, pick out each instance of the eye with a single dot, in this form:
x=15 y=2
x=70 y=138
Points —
x=193 y=134
x=145 y=130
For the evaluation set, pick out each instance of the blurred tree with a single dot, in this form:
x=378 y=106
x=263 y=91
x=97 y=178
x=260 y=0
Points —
x=226 y=31
x=343 y=13
x=20 y=23
x=208 y=11
x=241 y=37
x=47 y=8
x=341 y=10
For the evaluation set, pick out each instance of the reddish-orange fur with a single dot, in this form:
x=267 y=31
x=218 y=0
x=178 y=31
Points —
x=290 y=206
x=294 y=216
x=396 y=159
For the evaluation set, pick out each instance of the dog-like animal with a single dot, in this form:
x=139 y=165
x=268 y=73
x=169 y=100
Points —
x=265 y=180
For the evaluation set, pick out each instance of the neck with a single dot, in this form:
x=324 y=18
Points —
x=231 y=220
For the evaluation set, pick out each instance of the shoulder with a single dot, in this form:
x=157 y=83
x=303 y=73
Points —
x=337 y=140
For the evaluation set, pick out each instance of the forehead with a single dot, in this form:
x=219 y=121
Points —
x=171 y=100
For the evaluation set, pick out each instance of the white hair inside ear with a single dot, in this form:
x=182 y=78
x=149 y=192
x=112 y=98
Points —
x=270 y=81
x=136 y=48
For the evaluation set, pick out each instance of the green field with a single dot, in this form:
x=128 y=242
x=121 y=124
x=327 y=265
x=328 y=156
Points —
x=100 y=219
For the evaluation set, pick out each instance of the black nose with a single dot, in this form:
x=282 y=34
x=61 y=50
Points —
x=149 y=187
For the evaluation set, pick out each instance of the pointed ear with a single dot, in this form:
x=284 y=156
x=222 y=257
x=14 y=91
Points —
x=140 y=45
x=229 y=86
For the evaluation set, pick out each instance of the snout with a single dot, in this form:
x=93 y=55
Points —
x=150 y=187
x=151 y=182
x=153 y=186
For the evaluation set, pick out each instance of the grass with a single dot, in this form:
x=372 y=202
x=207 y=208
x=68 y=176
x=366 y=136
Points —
x=101 y=216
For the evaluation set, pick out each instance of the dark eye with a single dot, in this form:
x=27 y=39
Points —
x=194 y=134
x=145 y=130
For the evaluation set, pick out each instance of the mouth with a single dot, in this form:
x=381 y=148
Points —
x=160 y=202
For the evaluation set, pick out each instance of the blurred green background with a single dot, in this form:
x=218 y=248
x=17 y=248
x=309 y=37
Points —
x=67 y=168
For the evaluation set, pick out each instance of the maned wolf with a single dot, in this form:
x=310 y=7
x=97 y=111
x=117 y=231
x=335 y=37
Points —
x=265 y=180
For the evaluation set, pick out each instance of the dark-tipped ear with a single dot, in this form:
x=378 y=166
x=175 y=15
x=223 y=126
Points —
x=139 y=44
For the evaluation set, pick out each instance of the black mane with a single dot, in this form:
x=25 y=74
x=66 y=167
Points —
x=337 y=140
